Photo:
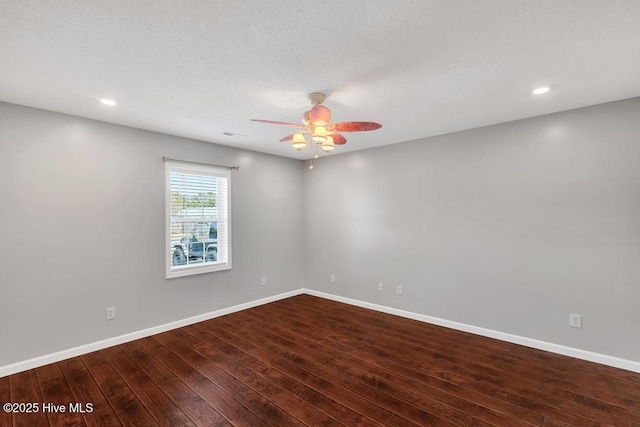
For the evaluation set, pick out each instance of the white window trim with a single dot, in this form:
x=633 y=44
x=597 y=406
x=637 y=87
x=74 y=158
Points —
x=198 y=268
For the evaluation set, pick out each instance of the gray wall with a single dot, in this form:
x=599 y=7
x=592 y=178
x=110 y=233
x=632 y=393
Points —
x=82 y=229
x=509 y=227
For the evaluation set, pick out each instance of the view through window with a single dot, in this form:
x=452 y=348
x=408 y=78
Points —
x=198 y=233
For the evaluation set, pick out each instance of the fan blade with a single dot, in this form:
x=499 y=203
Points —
x=279 y=123
x=339 y=139
x=357 y=126
x=287 y=138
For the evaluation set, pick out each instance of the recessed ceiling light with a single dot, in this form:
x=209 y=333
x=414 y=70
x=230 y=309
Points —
x=540 y=90
x=106 y=101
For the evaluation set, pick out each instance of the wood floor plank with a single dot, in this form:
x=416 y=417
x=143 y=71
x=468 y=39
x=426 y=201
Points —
x=447 y=405
x=219 y=398
x=160 y=406
x=191 y=403
x=287 y=401
x=296 y=379
x=439 y=395
x=280 y=377
x=128 y=407
x=5 y=397
x=57 y=394
x=610 y=411
x=496 y=354
x=267 y=410
x=601 y=411
x=347 y=414
x=358 y=330
x=400 y=361
x=308 y=361
x=552 y=422
x=305 y=371
x=291 y=380
x=25 y=390
x=86 y=390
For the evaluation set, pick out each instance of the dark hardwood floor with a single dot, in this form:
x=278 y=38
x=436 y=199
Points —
x=310 y=361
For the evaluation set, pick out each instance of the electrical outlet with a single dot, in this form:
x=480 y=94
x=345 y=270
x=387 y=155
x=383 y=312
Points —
x=332 y=278
x=575 y=320
x=263 y=281
x=399 y=289
x=111 y=313
x=380 y=287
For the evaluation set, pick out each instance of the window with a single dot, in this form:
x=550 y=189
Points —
x=198 y=219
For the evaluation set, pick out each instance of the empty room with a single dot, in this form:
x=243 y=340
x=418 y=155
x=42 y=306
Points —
x=320 y=213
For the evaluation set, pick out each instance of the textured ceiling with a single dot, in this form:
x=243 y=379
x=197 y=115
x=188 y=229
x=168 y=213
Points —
x=199 y=68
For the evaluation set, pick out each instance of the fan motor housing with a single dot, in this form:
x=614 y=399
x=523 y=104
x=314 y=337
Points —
x=320 y=114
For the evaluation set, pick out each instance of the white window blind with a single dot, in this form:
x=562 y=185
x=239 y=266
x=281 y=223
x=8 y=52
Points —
x=198 y=219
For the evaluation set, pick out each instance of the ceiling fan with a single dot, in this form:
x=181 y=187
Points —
x=316 y=123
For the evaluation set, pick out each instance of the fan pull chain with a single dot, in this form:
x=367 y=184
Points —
x=313 y=156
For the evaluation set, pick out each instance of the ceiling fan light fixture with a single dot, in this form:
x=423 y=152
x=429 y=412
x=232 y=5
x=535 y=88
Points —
x=317 y=123
x=328 y=145
x=320 y=115
x=298 y=142
x=319 y=134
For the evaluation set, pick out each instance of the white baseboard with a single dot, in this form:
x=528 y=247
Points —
x=603 y=359
x=109 y=342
